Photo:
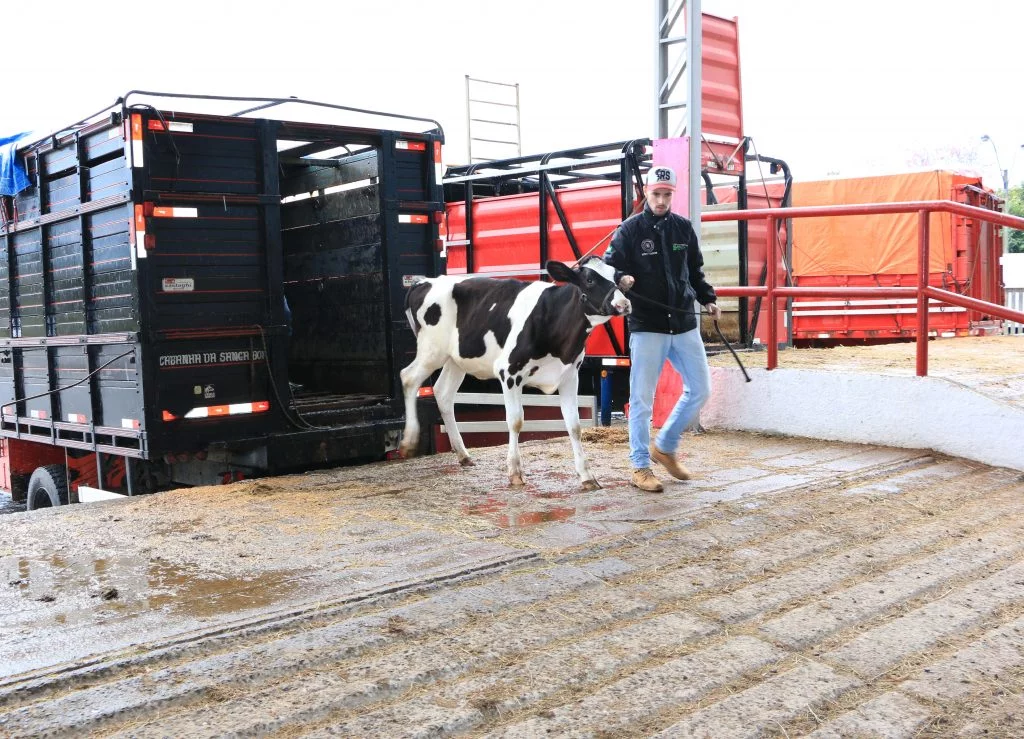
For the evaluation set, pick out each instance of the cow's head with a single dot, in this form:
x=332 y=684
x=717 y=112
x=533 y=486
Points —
x=596 y=280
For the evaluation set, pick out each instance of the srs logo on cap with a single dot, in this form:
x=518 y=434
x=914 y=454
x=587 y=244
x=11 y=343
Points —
x=661 y=178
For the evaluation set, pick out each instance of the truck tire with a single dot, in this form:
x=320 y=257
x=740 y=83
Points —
x=48 y=487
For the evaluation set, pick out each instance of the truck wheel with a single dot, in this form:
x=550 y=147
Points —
x=48 y=487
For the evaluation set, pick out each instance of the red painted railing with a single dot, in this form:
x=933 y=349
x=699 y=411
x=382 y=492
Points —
x=771 y=292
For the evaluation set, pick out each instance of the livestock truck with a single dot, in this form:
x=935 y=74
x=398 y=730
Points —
x=882 y=251
x=197 y=297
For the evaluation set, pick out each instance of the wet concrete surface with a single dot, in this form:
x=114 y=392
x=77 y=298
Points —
x=7 y=504
x=795 y=587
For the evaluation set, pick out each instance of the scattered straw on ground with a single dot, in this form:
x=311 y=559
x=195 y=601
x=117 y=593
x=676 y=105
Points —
x=606 y=434
x=995 y=355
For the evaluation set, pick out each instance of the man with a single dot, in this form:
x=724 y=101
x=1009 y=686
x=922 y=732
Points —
x=658 y=251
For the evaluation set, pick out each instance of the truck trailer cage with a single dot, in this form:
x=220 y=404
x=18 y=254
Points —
x=211 y=294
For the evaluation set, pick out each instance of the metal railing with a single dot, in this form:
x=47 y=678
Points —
x=922 y=292
x=1014 y=301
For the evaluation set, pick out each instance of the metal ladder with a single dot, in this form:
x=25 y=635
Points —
x=492 y=115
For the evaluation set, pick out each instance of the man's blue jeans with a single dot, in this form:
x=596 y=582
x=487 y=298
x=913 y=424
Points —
x=648 y=352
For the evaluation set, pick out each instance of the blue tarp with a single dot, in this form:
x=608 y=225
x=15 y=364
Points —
x=12 y=175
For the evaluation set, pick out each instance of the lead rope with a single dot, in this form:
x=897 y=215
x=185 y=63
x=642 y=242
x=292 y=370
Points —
x=636 y=209
x=636 y=296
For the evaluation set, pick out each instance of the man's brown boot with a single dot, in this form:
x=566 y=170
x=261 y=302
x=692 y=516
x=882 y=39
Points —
x=671 y=464
x=644 y=479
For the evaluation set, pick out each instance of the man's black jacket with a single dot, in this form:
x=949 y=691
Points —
x=663 y=255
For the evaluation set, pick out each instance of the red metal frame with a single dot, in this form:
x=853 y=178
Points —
x=19 y=458
x=506 y=238
x=771 y=292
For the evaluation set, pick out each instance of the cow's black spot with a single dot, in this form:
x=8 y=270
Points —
x=433 y=314
x=501 y=374
x=483 y=305
x=534 y=371
x=414 y=298
x=556 y=327
x=509 y=382
x=519 y=379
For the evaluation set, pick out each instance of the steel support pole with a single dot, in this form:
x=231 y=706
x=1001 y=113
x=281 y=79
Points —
x=694 y=52
x=771 y=283
x=606 y=398
x=922 y=294
x=469 y=126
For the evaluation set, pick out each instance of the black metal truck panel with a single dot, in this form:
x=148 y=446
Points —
x=148 y=273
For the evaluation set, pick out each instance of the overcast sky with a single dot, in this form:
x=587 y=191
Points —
x=844 y=88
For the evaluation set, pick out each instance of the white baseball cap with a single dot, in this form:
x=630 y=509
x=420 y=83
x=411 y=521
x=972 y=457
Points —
x=661 y=178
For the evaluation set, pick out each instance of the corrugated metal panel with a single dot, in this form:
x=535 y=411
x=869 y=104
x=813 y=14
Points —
x=719 y=243
x=721 y=103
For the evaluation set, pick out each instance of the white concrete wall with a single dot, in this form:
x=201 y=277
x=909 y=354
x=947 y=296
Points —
x=912 y=412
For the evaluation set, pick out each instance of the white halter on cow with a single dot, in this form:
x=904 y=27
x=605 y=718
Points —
x=522 y=333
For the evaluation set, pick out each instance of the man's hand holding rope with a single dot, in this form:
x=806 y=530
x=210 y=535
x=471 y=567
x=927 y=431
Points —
x=626 y=283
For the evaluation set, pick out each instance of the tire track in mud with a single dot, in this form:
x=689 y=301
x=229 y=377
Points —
x=534 y=643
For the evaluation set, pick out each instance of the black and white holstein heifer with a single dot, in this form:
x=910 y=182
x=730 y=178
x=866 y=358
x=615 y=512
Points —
x=522 y=333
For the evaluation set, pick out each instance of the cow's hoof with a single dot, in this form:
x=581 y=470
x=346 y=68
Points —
x=591 y=485
x=406 y=452
x=467 y=462
x=516 y=481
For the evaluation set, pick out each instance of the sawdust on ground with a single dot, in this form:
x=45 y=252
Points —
x=994 y=355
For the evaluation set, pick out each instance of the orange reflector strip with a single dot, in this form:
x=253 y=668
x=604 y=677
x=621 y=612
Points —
x=76 y=418
x=212 y=411
x=411 y=145
x=41 y=415
x=131 y=423
x=137 y=147
x=164 y=212
x=413 y=218
x=437 y=152
x=425 y=392
x=179 y=126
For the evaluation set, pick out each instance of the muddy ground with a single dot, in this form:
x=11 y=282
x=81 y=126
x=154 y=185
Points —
x=793 y=588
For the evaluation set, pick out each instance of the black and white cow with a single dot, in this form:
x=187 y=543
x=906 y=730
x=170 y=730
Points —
x=522 y=333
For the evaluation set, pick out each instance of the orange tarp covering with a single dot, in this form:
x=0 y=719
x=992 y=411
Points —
x=879 y=244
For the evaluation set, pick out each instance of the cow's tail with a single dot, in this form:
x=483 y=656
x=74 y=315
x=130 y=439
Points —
x=413 y=300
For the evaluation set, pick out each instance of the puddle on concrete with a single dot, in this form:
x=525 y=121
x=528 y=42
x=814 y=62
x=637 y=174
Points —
x=509 y=516
x=543 y=499
x=77 y=589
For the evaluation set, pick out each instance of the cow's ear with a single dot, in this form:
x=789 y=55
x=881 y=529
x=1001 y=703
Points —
x=562 y=273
